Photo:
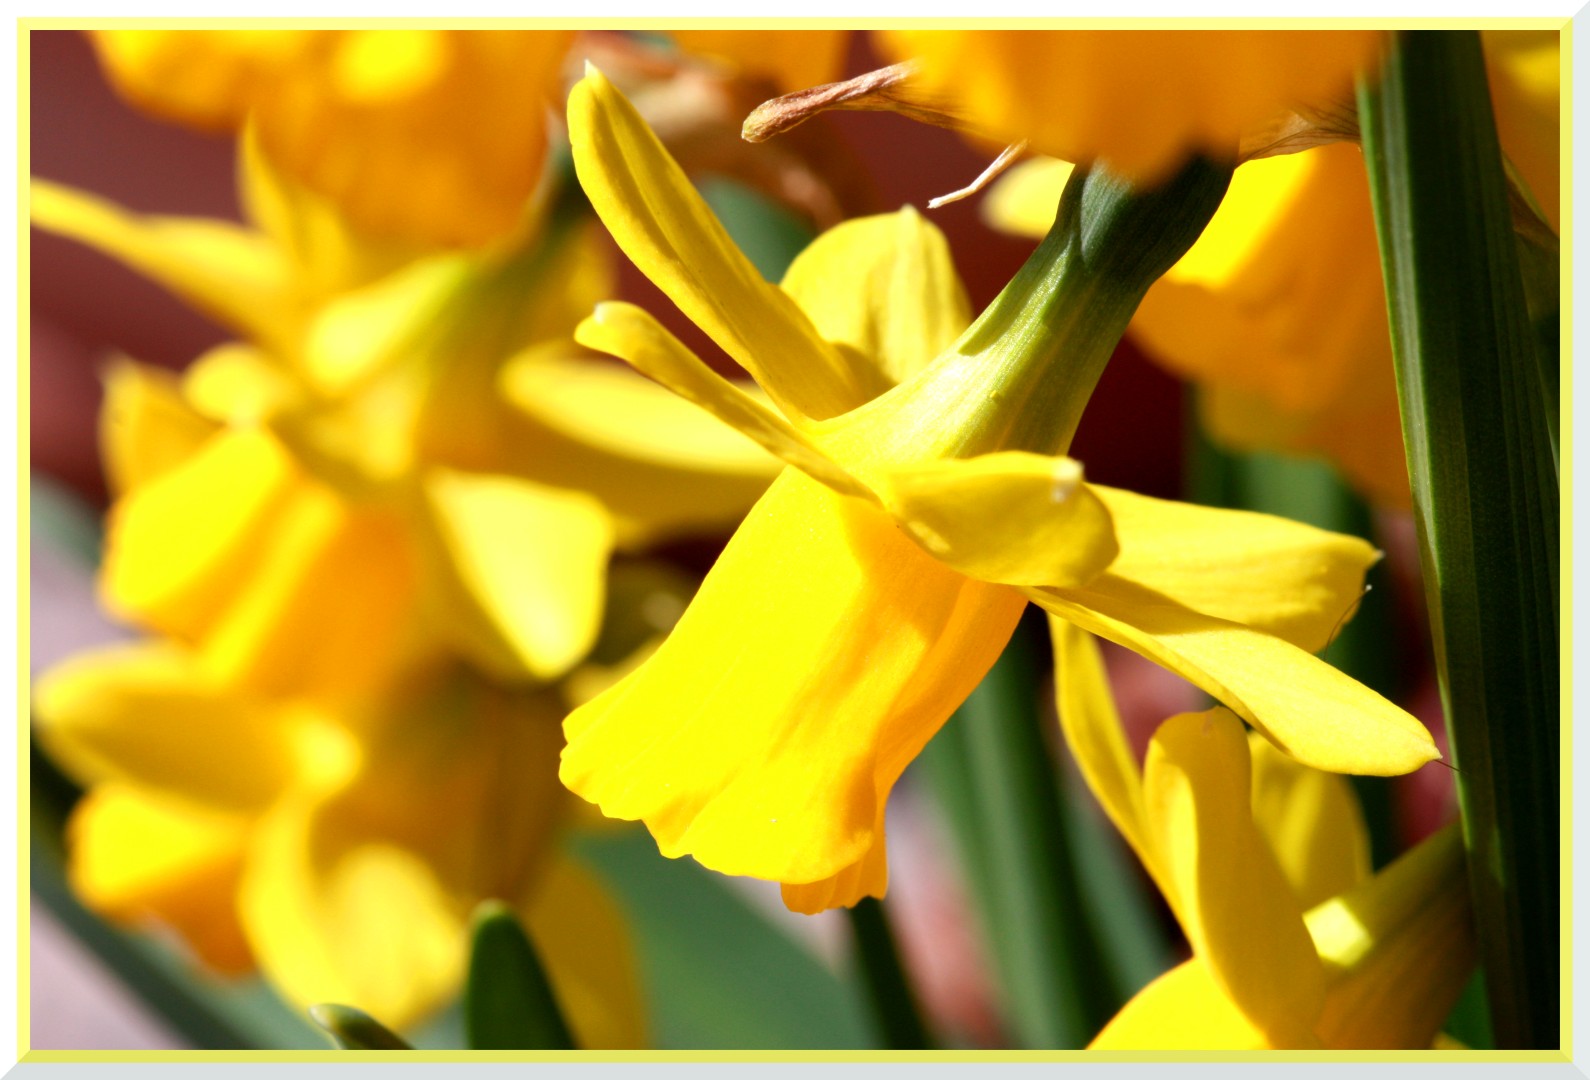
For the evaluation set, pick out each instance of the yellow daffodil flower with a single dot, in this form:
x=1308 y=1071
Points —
x=341 y=849
x=1265 y=864
x=927 y=501
x=1278 y=312
x=1139 y=101
x=430 y=136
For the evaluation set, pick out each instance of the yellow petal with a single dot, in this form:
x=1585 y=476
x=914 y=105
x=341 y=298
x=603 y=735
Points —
x=233 y=275
x=178 y=545
x=1227 y=889
x=239 y=384
x=146 y=716
x=1312 y=822
x=1183 y=1009
x=583 y=939
x=334 y=916
x=1398 y=950
x=1302 y=704
x=326 y=604
x=791 y=59
x=625 y=414
x=822 y=652
x=1012 y=517
x=633 y=335
x=145 y=427
x=205 y=78
x=137 y=860
x=360 y=331
x=666 y=229
x=529 y=562
x=1266 y=572
x=1023 y=201
x=848 y=887
x=884 y=286
x=1092 y=729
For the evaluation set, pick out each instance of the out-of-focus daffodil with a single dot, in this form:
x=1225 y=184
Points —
x=1278 y=312
x=871 y=588
x=1139 y=101
x=425 y=135
x=366 y=589
x=1265 y=864
x=341 y=849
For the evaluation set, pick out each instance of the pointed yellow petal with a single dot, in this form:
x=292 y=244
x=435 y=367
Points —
x=628 y=415
x=1024 y=200
x=178 y=545
x=146 y=715
x=1302 y=704
x=1227 y=890
x=145 y=427
x=633 y=335
x=1183 y=1009
x=529 y=563
x=135 y=860
x=1274 y=575
x=1398 y=950
x=822 y=652
x=225 y=271
x=582 y=937
x=1092 y=729
x=1012 y=517
x=884 y=286
x=1312 y=822
x=667 y=230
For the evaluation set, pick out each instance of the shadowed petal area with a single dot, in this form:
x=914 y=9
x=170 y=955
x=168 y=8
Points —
x=822 y=652
x=1306 y=707
x=1312 y=822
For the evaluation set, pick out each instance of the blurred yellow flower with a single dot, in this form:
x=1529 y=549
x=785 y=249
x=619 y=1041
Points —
x=1265 y=864
x=1278 y=312
x=368 y=567
x=342 y=849
x=869 y=591
x=1137 y=101
x=425 y=135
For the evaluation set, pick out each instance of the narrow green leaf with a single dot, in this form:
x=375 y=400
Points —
x=509 y=1003
x=351 y=1029
x=717 y=972
x=1485 y=497
x=894 y=1006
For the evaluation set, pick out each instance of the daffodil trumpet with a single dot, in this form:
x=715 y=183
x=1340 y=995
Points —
x=870 y=589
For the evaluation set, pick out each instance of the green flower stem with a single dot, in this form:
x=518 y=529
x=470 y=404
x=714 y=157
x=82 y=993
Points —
x=1485 y=497
x=894 y=1006
x=995 y=765
x=1036 y=353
